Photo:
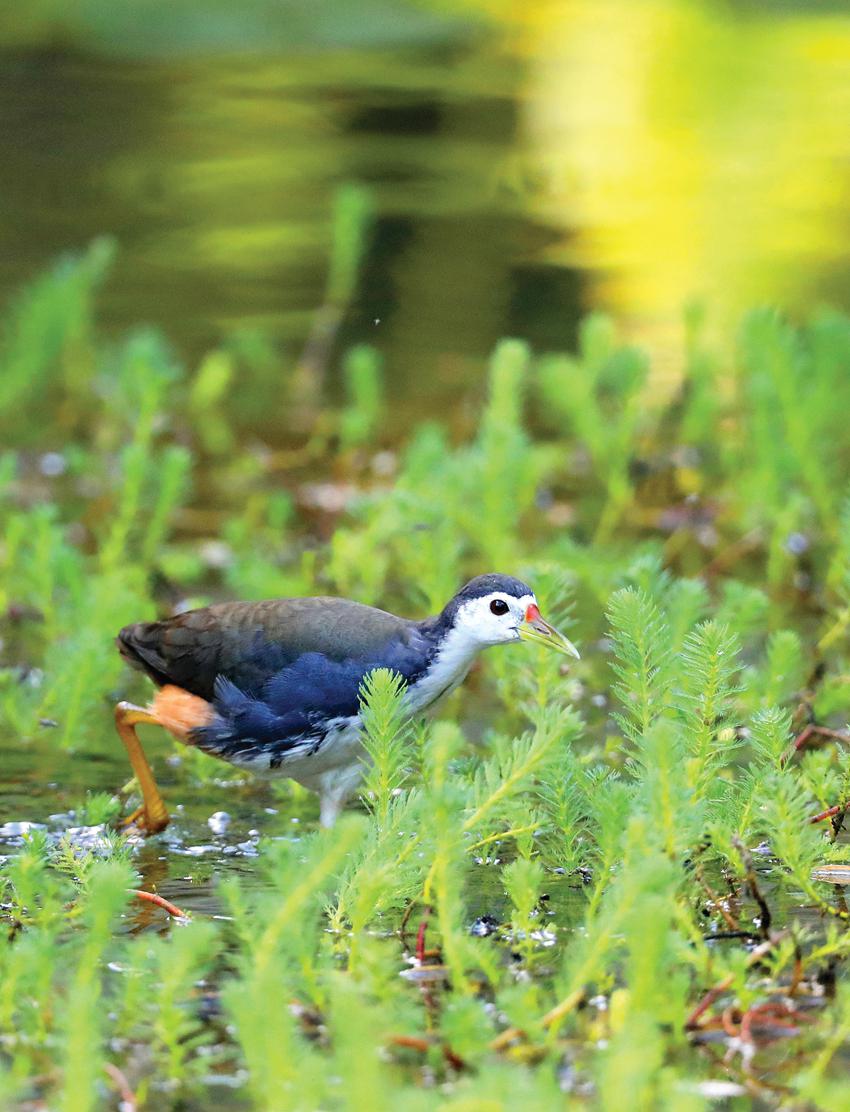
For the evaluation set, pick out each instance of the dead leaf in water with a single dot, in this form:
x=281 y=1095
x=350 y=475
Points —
x=832 y=874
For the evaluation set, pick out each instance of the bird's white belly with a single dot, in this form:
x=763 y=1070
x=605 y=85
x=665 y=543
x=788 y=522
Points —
x=331 y=765
x=338 y=744
x=340 y=748
x=334 y=771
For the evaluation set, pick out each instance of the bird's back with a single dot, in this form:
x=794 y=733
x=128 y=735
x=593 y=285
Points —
x=249 y=642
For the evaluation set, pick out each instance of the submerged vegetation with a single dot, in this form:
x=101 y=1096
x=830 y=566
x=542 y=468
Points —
x=611 y=885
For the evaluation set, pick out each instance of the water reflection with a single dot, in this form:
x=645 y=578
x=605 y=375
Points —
x=628 y=154
x=691 y=149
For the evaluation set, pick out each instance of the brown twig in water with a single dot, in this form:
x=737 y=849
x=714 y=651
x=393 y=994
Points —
x=717 y=990
x=715 y=900
x=166 y=905
x=402 y=927
x=412 y=1042
x=416 y=1042
x=838 y=809
x=422 y=956
x=812 y=730
x=809 y=731
x=837 y=823
x=707 y=1000
x=730 y=1020
x=765 y=917
x=797 y=974
x=774 y=1013
x=408 y=911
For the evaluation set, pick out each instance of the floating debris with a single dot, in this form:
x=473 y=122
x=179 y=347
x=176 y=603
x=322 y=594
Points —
x=159 y=901
x=832 y=874
x=484 y=926
x=717 y=1090
x=195 y=851
x=426 y=974
x=242 y=849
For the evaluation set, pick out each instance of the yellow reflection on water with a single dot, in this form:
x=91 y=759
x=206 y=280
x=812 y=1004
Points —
x=685 y=151
x=526 y=162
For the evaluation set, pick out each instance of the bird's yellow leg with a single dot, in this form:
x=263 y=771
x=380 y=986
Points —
x=152 y=815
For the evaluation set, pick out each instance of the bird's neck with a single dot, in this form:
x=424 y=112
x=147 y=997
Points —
x=452 y=658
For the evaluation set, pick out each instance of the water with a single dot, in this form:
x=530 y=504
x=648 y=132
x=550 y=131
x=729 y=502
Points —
x=568 y=156
x=41 y=785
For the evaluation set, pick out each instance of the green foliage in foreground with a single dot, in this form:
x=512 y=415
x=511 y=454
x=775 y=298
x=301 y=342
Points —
x=706 y=575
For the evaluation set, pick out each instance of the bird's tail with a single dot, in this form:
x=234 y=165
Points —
x=139 y=644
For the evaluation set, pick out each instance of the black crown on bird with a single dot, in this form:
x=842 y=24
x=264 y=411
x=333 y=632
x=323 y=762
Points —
x=482 y=586
x=274 y=686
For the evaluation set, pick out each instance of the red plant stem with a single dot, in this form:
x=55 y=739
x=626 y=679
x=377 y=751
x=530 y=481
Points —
x=420 y=941
x=707 y=1001
x=731 y=1025
x=830 y=813
x=818 y=731
x=152 y=897
x=713 y=993
x=414 y=1042
x=128 y=1097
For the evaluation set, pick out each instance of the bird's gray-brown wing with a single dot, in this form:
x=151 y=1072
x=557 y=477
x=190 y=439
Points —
x=248 y=642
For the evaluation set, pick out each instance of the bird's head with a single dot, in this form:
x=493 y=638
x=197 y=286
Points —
x=498 y=609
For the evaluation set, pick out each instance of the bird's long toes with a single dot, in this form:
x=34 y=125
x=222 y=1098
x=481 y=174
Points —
x=143 y=822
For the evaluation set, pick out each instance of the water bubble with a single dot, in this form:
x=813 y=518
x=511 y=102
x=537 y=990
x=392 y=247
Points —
x=219 y=822
x=19 y=829
x=196 y=851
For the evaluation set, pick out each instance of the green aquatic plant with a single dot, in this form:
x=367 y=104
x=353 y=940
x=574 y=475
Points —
x=48 y=343
x=360 y=421
x=599 y=397
x=386 y=739
x=573 y=879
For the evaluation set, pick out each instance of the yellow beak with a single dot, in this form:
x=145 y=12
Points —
x=534 y=628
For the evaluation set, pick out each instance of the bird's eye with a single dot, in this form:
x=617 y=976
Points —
x=498 y=606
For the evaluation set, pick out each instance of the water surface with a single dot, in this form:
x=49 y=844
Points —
x=629 y=155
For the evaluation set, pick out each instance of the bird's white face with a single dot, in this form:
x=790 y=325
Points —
x=499 y=618
x=493 y=619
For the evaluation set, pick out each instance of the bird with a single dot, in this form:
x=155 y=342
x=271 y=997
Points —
x=274 y=687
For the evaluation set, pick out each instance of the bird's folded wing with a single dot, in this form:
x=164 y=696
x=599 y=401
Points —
x=249 y=642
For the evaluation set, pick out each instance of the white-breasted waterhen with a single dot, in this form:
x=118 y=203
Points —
x=274 y=686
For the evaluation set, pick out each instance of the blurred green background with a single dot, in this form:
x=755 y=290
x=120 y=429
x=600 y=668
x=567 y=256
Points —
x=525 y=164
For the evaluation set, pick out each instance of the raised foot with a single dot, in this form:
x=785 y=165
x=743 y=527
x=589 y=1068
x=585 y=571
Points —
x=152 y=816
